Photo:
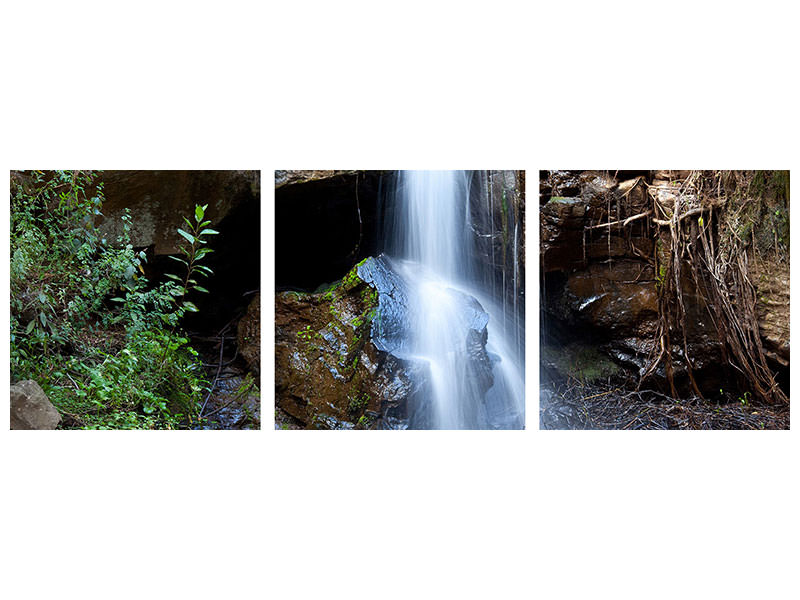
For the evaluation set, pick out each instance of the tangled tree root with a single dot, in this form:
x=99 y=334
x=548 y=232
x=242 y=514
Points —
x=702 y=226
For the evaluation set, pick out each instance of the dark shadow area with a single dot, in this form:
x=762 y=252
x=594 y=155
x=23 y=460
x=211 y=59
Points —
x=324 y=227
x=236 y=262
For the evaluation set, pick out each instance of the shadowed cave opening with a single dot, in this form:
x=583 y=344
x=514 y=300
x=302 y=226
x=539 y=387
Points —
x=236 y=262
x=324 y=227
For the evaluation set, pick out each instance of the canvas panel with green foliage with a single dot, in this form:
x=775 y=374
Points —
x=103 y=342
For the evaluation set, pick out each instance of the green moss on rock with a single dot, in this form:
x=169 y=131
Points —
x=580 y=361
x=329 y=332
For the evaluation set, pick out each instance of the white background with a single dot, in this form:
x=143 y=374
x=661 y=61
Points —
x=476 y=85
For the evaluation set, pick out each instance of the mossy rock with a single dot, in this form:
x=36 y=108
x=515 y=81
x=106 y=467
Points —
x=580 y=361
x=323 y=354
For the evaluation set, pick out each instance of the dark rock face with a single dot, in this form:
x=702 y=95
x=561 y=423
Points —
x=30 y=408
x=565 y=242
x=160 y=199
x=600 y=287
x=619 y=299
x=497 y=221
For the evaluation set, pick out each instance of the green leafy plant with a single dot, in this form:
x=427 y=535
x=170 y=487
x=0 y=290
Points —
x=306 y=334
x=193 y=250
x=86 y=323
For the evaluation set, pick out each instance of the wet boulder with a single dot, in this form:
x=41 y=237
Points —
x=397 y=318
x=343 y=354
x=330 y=372
x=389 y=332
x=620 y=300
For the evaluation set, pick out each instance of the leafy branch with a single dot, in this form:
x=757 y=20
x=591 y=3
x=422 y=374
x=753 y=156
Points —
x=193 y=250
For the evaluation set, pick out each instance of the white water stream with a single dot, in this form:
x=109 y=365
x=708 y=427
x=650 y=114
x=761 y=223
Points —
x=431 y=233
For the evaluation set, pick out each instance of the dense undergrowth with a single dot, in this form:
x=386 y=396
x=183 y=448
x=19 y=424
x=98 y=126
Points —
x=101 y=340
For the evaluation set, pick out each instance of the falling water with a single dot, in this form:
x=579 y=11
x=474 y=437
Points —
x=431 y=233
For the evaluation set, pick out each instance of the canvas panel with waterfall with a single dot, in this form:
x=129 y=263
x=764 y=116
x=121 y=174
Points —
x=664 y=299
x=400 y=300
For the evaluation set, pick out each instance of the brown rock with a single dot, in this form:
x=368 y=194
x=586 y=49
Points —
x=159 y=200
x=322 y=365
x=329 y=374
x=283 y=178
x=622 y=299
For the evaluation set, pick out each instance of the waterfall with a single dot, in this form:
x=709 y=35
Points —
x=430 y=235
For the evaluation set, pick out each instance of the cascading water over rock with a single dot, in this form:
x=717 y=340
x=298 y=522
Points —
x=464 y=330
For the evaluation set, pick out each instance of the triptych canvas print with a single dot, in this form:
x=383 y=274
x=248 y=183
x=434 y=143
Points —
x=662 y=299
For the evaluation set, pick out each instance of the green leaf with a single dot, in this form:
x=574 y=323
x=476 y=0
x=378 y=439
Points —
x=201 y=289
x=30 y=326
x=199 y=211
x=188 y=236
x=180 y=260
x=190 y=307
x=175 y=277
x=118 y=299
x=209 y=232
x=43 y=319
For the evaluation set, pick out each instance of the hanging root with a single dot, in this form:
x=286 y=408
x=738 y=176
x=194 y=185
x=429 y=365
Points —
x=715 y=251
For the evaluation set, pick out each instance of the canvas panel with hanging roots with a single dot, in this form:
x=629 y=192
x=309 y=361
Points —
x=664 y=299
